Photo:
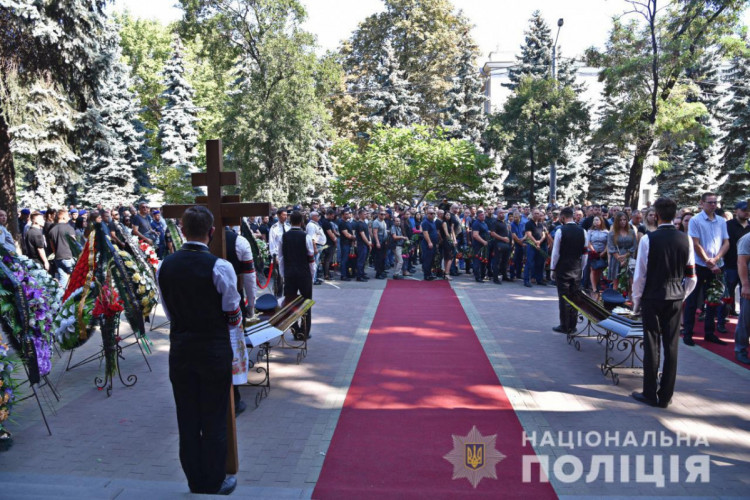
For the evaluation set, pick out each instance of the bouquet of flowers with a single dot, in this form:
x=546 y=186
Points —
x=69 y=332
x=715 y=291
x=262 y=251
x=7 y=391
x=151 y=257
x=537 y=248
x=623 y=280
x=482 y=255
x=107 y=308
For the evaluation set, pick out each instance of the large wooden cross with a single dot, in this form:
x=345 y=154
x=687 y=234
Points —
x=227 y=211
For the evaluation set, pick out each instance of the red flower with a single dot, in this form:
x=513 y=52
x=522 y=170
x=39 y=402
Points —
x=726 y=300
x=108 y=303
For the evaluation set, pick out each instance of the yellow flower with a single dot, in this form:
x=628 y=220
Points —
x=3 y=415
x=136 y=277
x=144 y=302
x=141 y=290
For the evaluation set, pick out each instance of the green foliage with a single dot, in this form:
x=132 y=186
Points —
x=427 y=37
x=275 y=113
x=406 y=165
x=542 y=118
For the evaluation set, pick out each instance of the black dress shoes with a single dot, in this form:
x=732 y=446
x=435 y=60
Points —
x=559 y=329
x=664 y=404
x=641 y=398
x=742 y=357
x=721 y=328
x=714 y=340
x=688 y=340
x=228 y=486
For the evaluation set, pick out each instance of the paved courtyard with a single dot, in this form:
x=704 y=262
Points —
x=125 y=446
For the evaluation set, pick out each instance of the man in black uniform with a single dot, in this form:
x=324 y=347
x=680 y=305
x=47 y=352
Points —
x=736 y=228
x=499 y=232
x=36 y=245
x=567 y=263
x=199 y=293
x=664 y=277
x=299 y=265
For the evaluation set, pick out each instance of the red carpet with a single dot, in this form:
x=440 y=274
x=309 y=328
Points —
x=725 y=351
x=422 y=377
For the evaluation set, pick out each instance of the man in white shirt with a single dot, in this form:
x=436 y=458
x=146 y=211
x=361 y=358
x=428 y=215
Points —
x=315 y=232
x=275 y=238
x=664 y=277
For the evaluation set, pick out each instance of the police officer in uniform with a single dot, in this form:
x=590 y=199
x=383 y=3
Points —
x=569 y=255
x=199 y=293
x=299 y=257
x=480 y=234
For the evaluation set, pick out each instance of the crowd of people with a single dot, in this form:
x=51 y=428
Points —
x=495 y=244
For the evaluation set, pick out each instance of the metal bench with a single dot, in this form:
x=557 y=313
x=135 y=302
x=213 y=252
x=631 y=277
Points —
x=618 y=333
x=271 y=334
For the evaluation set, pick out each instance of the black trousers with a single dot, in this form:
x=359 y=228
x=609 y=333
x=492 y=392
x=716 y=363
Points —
x=500 y=260
x=568 y=284
x=201 y=381
x=661 y=329
x=378 y=256
x=327 y=258
x=299 y=284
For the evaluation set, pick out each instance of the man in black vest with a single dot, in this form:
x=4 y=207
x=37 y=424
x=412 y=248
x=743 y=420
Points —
x=664 y=277
x=199 y=293
x=568 y=260
x=299 y=266
x=240 y=255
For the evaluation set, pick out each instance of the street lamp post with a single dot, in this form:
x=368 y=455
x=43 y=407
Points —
x=553 y=166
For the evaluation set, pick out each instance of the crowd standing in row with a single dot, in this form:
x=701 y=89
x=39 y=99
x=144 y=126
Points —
x=494 y=243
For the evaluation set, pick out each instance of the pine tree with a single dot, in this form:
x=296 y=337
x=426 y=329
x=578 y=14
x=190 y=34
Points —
x=177 y=135
x=111 y=143
x=736 y=143
x=40 y=142
x=464 y=116
x=693 y=167
x=536 y=52
x=608 y=174
x=389 y=98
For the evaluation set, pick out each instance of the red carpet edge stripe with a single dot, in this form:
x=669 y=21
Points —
x=423 y=382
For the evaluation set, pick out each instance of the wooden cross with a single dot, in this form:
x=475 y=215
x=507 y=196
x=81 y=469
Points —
x=227 y=211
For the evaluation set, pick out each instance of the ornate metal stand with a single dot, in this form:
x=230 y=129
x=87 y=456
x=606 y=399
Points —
x=295 y=343
x=153 y=327
x=615 y=343
x=106 y=381
x=265 y=371
x=587 y=331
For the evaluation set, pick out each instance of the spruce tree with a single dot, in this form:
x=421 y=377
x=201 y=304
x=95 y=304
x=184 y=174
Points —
x=735 y=144
x=608 y=175
x=536 y=52
x=39 y=141
x=112 y=144
x=177 y=135
x=464 y=116
x=693 y=167
x=389 y=98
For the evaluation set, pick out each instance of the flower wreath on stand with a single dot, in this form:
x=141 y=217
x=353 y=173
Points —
x=175 y=234
x=8 y=395
x=151 y=257
x=29 y=300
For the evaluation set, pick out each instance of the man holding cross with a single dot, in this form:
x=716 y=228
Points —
x=200 y=298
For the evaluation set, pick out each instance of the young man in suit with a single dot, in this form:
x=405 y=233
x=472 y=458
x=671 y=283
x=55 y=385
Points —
x=664 y=277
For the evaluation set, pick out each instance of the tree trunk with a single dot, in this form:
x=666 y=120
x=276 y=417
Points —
x=532 y=197
x=633 y=190
x=8 y=179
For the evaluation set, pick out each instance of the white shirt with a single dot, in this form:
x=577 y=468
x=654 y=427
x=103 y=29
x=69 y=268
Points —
x=556 y=249
x=315 y=232
x=245 y=254
x=274 y=238
x=641 y=266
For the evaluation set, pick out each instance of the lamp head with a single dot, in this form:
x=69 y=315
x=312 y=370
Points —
x=560 y=22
